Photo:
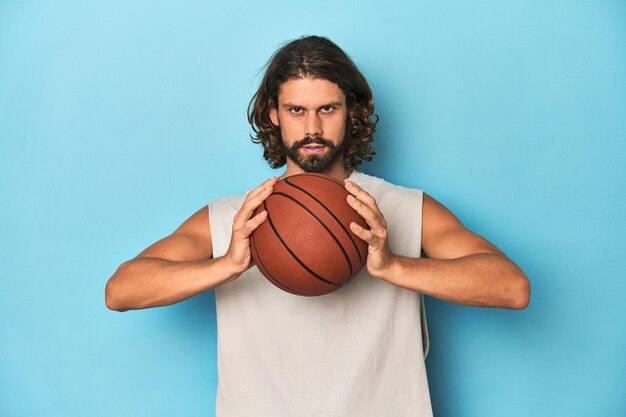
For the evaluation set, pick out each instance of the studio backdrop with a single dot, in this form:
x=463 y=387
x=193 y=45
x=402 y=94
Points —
x=118 y=120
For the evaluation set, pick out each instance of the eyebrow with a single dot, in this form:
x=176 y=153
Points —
x=289 y=105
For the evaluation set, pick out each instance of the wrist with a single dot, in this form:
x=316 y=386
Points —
x=229 y=268
x=390 y=270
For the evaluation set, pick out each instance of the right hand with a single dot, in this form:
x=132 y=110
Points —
x=238 y=255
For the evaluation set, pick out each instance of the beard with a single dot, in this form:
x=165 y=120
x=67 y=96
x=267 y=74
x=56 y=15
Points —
x=314 y=163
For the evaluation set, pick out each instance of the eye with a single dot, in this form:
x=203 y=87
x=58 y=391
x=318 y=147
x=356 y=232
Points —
x=328 y=109
x=296 y=110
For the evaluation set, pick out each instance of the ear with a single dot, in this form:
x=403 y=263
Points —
x=274 y=116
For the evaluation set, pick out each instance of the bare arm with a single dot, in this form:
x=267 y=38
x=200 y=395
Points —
x=181 y=265
x=163 y=275
x=462 y=266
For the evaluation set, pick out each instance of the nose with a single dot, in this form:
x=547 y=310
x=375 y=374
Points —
x=313 y=125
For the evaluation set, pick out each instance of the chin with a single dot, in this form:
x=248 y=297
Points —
x=309 y=164
x=315 y=170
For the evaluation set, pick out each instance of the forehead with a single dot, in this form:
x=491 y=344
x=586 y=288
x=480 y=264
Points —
x=309 y=92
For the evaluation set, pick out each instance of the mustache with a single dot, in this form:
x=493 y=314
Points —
x=317 y=140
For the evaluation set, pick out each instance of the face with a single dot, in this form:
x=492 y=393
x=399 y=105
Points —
x=311 y=114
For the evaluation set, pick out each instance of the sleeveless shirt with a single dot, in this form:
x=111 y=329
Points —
x=356 y=352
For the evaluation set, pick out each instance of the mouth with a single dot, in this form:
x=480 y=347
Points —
x=314 y=148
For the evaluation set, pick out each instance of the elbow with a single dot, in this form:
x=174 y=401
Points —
x=111 y=294
x=110 y=299
x=521 y=297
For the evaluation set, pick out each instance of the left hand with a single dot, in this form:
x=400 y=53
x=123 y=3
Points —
x=379 y=255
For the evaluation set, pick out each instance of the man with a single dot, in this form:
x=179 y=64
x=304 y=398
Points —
x=360 y=350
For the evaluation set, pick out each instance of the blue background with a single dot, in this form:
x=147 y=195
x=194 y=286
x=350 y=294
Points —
x=118 y=120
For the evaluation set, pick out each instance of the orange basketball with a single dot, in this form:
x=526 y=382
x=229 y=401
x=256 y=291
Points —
x=305 y=246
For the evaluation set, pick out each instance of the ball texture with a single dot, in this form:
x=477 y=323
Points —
x=306 y=246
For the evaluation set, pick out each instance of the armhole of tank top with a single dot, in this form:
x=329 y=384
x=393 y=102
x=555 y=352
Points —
x=425 y=337
x=212 y=225
x=221 y=210
x=424 y=322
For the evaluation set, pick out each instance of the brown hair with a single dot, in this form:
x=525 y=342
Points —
x=317 y=57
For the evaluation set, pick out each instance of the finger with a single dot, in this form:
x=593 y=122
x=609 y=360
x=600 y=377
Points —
x=367 y=200
x=259 y=190
x=256 y=198
x=252 y=201
x=252 y=224
x=248 y=207
x=367 y=235
x=246 y=229
x=261 y=187
x=359 y=193
x=374 y=219
x=361 y=208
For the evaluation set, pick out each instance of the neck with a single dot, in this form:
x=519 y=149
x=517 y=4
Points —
x=337 y=170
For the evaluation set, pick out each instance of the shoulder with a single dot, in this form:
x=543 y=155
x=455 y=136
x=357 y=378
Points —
x=436 y=216
x=385 y=191
x=199 y=223
x=226 y=202
x=445 y=237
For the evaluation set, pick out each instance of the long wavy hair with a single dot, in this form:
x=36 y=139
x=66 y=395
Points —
x=317 y=57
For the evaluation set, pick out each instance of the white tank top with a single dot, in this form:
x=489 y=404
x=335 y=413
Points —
x=357 y=352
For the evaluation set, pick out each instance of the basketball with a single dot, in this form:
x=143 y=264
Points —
x=305 y=246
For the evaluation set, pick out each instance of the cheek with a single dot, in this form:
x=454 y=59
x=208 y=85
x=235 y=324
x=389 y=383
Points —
x=286 y=130
x=289 y=129
x=336 y=125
